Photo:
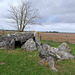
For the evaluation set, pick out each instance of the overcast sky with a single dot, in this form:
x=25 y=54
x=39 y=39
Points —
x=57 y=15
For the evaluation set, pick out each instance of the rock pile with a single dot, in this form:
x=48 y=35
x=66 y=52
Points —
x=48 y=54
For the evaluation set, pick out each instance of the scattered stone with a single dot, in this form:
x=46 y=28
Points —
x=49 y=53
x=54 y=69
x=3 y=45
x=65 y=55
x=53 y=52
x=44 y=51
x=49 y=62
x=29 y=45
x=64 y=46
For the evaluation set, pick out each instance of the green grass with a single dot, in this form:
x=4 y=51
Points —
x=19 y=62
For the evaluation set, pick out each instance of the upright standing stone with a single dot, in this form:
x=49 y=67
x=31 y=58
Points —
x=64 y=46
x=37 y=39
x=29 y=45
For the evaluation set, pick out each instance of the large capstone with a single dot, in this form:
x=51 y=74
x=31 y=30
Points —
x=29 y=45
x=45 y=51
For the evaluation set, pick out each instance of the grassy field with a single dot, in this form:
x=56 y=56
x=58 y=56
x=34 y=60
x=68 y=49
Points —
x=19 y=62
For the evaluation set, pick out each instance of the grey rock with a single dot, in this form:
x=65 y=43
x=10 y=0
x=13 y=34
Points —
x=44 y=51
x=49 y=62
x=64 y=52
x=29 y=45
x=53 y=52
x=3 y=45
x=64 y=46
x=50 y=53
x=54 y=69
x=65 y=55
x=37 y=39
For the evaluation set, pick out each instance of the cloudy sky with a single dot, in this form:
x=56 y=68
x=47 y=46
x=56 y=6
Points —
x=57 y=15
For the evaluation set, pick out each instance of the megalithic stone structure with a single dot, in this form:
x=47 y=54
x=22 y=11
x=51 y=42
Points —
x=31 y=41
x=8 y=41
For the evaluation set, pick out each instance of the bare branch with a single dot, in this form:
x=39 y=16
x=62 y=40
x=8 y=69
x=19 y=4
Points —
x=23 y=15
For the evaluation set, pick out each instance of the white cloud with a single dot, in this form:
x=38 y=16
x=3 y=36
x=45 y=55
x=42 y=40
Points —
x=64 y=27
x=52 y=11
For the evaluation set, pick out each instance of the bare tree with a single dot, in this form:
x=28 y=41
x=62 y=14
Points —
x=23 y=15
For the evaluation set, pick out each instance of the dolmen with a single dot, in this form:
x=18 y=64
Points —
x=31 y=41
x=28 y=40
x=49 y=54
